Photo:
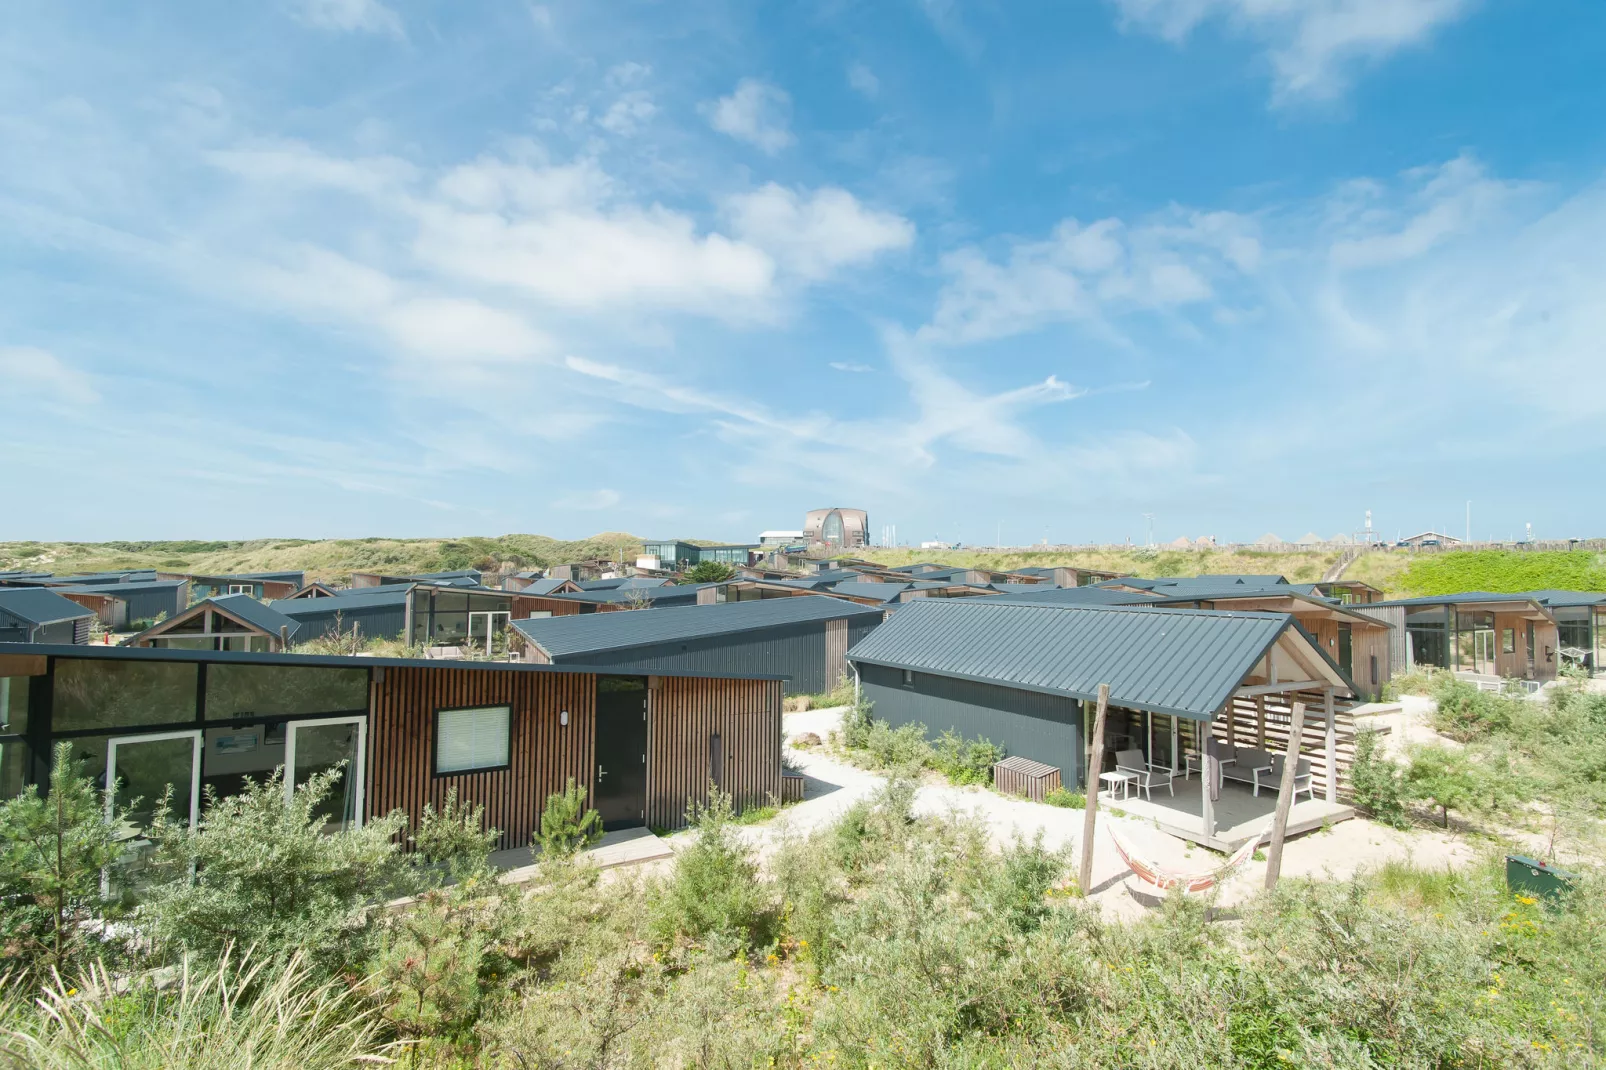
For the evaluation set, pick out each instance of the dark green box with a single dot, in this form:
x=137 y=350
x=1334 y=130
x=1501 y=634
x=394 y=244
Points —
x=1527 y=876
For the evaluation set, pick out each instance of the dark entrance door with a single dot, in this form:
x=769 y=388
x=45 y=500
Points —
x=621 y=773
x=1346 y=649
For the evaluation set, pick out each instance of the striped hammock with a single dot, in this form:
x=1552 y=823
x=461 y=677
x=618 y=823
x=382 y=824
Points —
x=1166 y=879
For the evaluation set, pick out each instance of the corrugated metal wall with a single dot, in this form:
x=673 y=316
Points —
x=1044 y=728
x=797 y=651
x=382 y=622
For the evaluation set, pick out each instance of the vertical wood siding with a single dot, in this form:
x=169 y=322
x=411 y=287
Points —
x=544 y=754
x=836 y=651
x=683 y=716
x=1245 y=716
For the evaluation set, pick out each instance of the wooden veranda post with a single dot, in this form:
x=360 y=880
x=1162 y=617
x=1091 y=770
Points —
x=1285 y=797
x=1095 y=766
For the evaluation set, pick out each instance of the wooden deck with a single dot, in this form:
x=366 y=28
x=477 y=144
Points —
x=1239 y=814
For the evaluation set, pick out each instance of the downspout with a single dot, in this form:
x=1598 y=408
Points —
x=857 y=699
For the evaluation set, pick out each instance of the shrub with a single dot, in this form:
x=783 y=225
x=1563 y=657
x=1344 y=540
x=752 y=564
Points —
x=268 y=875
x=52 y=853
x=455 y=838
x=567 y=824
x=965 y=761
x=709 y=572
x=1376 y=782
x=1465 y=712
x=714 y=888
x=1071 y=800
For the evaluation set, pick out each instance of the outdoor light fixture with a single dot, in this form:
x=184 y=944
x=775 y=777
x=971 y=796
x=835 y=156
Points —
x=563 y=718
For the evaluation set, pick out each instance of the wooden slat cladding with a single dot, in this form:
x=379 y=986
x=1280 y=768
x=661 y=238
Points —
x=836 y=651
x=684 y=715
x=1021 y=776
x=1242 y=721
x=544 y=753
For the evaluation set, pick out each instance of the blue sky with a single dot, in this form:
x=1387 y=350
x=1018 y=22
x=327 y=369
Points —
x=386 y=267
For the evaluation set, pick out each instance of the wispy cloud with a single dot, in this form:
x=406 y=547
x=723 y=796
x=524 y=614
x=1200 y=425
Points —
x=368 y=16
x=758 y=113
x=1314 y=45
x=862 y=80
x=850 y=366
x=37 y=374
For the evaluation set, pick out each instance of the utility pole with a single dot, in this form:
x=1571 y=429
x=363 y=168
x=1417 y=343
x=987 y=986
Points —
x=1150 y=518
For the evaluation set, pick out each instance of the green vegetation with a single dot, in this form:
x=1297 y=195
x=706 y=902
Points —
x=880 y=940
x=567 y=824
x=1070 y=800
x=709 y=572
x=873 y=744
x=1503 y=571
x=1377 y=784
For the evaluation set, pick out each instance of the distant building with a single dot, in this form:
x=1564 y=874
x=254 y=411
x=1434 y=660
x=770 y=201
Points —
x=779 y=538
x=844 y=529
x=673 y=554
x=1430 y=538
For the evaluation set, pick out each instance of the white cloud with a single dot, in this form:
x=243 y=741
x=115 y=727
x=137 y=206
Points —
x=862 y=80
x=815 y=234
x=1091 y=272
x=628 y=114
x=588 y=500
x=1453 y=199
x=850 y=366
x=757 y=113
x=28 y=370
x=369 y=16
x=1313 y=44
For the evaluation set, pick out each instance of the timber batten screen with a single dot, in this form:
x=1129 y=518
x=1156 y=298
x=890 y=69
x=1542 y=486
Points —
x=543 y=753
x=684 y=715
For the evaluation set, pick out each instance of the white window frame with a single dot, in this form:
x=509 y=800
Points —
x=359 y=769
x=435 y=756
x=243 y=588
x=193 y=734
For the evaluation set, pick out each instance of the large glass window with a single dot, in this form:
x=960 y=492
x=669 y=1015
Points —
x=1572 y=628
x=1427 y=633
x=90 y=693
x=13 y=704
x=13 y=766
x=235 y=692
x=451 y=617
x=471 y=740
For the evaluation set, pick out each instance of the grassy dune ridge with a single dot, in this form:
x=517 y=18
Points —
x=1397 y=572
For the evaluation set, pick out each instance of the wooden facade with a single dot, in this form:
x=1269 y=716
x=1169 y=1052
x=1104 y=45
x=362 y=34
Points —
x=684 y=716
x=692 y=723
x=1022 y=776
x=836 y=650
x=544 y=754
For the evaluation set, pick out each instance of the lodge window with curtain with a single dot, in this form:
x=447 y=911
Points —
x=472 y=740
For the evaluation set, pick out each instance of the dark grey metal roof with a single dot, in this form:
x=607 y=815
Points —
x=124 y=588
x=883 y=592
x=333 y=661
x=1463 y=598
x=1078 y=596
x=683 y=593
x=620 y=582
x=40 y=605
x=255 y=613
x=357 y=599
x=1186 y=662
x=544 y=585
x=594 y=632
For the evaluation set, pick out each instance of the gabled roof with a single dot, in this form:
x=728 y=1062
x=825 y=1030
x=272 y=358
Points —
x=123 y=588
x=1462 y=598
x=1186 y=662
x=544 y=585
x=882 y=592
x=242 y=607
x=634 y=594
x=597 y=632
x=39 y=605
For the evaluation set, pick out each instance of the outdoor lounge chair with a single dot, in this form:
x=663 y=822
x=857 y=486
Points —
x=1147 y=774
x=1250 y=765
x=1303 y=780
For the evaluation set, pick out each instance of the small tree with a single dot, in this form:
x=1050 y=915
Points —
x=455 y=837
x=567 y=824
x=1377 y=783
x=1442 y=777
x=710 y=572
x=52 y=853
x=714 y=888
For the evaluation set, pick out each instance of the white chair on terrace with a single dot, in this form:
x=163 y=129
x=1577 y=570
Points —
x=1147 y=774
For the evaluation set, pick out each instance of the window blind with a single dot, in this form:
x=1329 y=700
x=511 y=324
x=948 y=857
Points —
x=472 y=739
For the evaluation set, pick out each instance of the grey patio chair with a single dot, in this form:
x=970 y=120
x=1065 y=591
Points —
x=1147 y=773
x=1304 y=781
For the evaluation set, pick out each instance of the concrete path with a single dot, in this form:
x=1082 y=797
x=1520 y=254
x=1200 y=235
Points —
x=625 y=847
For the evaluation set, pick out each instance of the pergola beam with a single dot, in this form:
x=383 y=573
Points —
x=1274 y=689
